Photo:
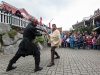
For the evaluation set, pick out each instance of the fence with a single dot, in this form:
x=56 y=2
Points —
x=16 y=21
x=13 y=20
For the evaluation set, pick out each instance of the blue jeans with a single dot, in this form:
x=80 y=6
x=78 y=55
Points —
x=75 y=44
x=79 y=45
x=94 y=46
x=84 y=46
x=88 y=46
x=98 y=47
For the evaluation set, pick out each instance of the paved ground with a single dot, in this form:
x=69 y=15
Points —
x=72 y=62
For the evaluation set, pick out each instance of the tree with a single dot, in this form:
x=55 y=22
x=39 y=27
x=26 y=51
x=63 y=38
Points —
x=82 y=29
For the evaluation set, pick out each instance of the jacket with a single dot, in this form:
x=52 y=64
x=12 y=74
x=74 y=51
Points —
x=27 y=47
x=54 y=39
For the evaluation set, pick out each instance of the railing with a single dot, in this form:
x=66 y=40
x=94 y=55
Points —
x=16 y=21
x=13 y=20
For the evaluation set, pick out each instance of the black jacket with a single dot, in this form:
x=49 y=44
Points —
x=31 y=32
x=27 y=47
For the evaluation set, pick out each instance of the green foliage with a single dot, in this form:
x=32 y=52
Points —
x=90 y=28
x=82 y=29
x=78 y=29
x=39 y=39
x=12 y=33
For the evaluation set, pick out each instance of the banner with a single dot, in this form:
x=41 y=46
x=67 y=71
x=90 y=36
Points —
x=40 y=20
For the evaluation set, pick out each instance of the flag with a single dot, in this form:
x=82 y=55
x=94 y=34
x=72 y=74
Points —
x=40 y=20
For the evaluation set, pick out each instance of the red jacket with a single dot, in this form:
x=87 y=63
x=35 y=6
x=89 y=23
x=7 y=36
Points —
x=88 y=41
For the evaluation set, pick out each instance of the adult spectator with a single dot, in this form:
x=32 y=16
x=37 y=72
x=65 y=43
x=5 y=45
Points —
x=80 y=41
x=18 y=14
x=83 y=34
x=95 y=34
x=3 y=9
x=65 y=41
x=86 y=33
x=97 y=24
x=9 y=10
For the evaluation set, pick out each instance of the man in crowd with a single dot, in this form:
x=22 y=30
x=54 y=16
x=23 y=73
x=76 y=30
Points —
x=27 y=47
x=3 y=9
x=54 y=40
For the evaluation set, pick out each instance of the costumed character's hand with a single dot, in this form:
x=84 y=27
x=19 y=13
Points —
x=46 y=33
x=35 y=21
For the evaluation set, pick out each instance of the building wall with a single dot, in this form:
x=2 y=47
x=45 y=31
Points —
x=80 y=24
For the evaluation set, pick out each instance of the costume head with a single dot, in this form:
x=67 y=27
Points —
x=34 y=21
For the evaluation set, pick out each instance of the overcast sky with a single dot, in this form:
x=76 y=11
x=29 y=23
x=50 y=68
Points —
x=65 y=12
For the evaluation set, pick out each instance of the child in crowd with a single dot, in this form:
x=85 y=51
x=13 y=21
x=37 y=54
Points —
x=88 y=42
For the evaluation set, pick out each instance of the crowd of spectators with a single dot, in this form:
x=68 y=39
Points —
x=3 y=9
x=97 y=24
x=85 y=40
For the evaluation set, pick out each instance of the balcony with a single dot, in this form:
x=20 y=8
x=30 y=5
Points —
x=13 y=20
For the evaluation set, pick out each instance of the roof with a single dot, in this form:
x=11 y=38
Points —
x=77 y=23
x=96 y=14
x=9 y=5
x=22 y=10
